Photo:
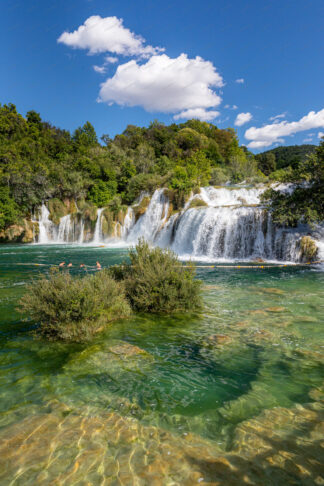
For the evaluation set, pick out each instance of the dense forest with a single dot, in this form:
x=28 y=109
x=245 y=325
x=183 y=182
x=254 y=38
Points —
x=41 y=162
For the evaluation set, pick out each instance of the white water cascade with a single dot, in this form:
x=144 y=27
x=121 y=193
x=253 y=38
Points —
x=227 y=224
x=45 y=226
x=97 y=236
x=152 y=221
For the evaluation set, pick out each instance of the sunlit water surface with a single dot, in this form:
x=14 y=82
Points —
x=230 y=396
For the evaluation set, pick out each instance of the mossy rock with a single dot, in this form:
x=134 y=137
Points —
x=57 y=210
x=23 y=232
x=197 y=203
x=90 y=212
x=121 y=216
x=308 y=249
x=31 y=230
x=141 y=208
x=107 y=222
x=115 y=357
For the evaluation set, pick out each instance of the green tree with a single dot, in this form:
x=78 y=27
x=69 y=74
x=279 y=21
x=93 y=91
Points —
x=9 y=210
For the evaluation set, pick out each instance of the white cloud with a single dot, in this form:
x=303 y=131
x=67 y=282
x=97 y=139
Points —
x=242 y=118
x=320 y=134
x=111 y=59
x=239 y=80
x=308 y=139
x=107 y=34
x=233 y=107
x=99 y=69
x=164 y=84
x=277 y=117
x=199 y=113
x=269 y=134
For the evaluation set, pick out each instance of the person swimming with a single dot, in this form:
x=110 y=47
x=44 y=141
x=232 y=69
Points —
x=70 y=265
x=98 y=266
x=62 y=264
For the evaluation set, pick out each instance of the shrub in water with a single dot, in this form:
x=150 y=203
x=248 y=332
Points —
x=156 y=281
x=74 y=308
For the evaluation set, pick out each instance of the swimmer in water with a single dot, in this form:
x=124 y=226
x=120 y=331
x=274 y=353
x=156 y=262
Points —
x=82 y=265
x=70 y=265
x=62 y=264
x=98 y=266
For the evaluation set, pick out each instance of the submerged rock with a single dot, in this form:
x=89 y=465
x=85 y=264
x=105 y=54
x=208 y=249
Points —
x=126 y=349
x=275 y=309
x=115 y=359
x=270 y=290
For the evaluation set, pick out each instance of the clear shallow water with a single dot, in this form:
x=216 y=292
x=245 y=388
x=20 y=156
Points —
x=231 y=396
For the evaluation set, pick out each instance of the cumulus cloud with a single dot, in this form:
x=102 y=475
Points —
x=199 y=113
x=277 y=117
x=100 y=69
x=107 y=34
x=164 y=84
x=320 y=134
x=242 y=118
x=269 y=134
x=239 y=80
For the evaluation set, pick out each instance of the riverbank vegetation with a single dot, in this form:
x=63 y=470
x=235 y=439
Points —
x=306 y=202
x=40 y=162
x=156 y=281
x=75 y=308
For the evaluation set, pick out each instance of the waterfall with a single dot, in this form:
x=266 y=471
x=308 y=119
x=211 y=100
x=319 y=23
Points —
x=65 y=230
x=45 y=226
x=97 y=235
x=232 y=233
x=231 y=224
x=128 y=222
x=152 y=220
x=81 y=236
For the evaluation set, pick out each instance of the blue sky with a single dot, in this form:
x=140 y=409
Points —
x=186 y=63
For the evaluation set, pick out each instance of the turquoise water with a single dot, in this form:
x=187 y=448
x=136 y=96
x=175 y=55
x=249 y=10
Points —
x=230 y=396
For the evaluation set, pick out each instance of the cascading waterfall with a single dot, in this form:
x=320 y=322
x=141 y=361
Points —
x=97 y=236
x=232 y=233
x=152 y=220
x=45 y=226
x=231 y=224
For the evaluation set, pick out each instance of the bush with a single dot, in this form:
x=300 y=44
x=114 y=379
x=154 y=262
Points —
x=197 y=203
x=156 y=281
x=74 y=308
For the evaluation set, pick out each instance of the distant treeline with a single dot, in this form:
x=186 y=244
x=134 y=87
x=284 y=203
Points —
x=39 y=162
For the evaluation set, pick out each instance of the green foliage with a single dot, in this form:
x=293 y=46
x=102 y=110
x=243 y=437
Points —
x=40 y=162
x=266 y=162
x=74 y=308
x=57 y=210
x=242 y=167
x=102 y=192
x=282 y=175
x=292 y=155
x=156 y=281
x=219 y=176
x=9 y=211
x=308 y=248
x=198 y=203
x=306 y=203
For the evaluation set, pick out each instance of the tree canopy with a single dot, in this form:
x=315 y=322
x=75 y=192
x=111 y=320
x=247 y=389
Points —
x=39 y=161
